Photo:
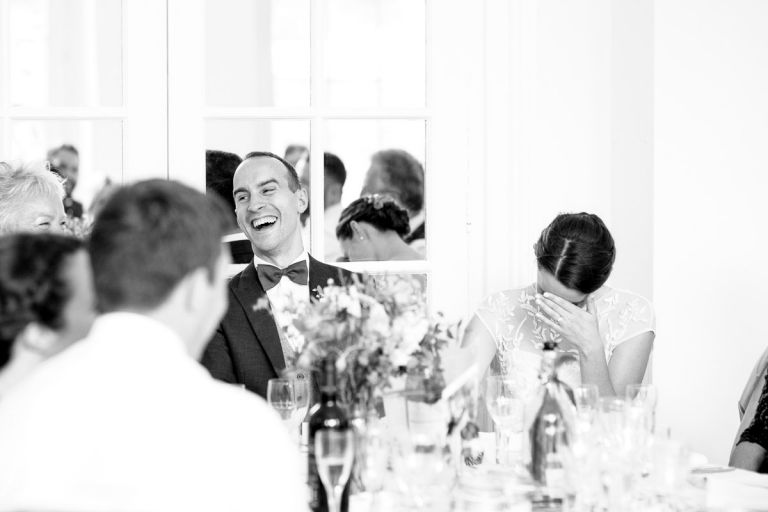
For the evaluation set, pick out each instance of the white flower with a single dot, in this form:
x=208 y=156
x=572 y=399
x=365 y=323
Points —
x=378 y=320
x=350 y=305
x=410 y=328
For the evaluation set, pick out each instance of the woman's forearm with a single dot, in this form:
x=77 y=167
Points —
x=594 y=370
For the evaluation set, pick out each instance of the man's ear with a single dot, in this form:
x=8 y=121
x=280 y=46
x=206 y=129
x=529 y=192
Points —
x=302 y=199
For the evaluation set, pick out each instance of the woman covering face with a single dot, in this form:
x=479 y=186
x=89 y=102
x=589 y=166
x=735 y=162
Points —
x=46 y=300
x=30 y=200
x=605 y=334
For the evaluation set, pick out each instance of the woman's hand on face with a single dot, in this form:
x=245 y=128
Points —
x=576 y=325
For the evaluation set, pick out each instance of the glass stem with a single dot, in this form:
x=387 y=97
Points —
x=336 y=505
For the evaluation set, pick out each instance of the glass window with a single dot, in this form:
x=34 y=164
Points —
x=65 y=54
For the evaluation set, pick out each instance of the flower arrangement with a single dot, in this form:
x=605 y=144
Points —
x=376 y=328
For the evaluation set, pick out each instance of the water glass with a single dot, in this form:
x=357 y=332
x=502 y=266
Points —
x=642 y=398
x=334 y=453
x=281 y=395
x=506 y=406
x=423 y=470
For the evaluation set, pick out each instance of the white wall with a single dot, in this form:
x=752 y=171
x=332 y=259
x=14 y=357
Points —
x=568 y=127
x=711 y=140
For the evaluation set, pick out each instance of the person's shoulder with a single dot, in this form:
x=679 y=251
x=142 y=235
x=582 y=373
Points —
x=618 y=298
x=512 y=297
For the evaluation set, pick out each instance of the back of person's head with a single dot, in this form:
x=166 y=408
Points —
x=292 y=176
x=295 y=152
x=578 y=250
x=28 y=187
x=403 y=176
x=334 y=169
x=220 y=168
x=382 y=212
x=148 y=237
x=33 y=287
x=58 y=149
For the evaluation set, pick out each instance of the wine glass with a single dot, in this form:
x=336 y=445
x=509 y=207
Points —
x=334 y=452
x=507 y=408
x=281 y=395
x=642 y=398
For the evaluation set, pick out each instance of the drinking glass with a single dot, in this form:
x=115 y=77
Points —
x=507 y=408
x=334 y=452
x=586 y=398
x=281 y=395
x=303 y=393
x=423 y=470
x=642 y=398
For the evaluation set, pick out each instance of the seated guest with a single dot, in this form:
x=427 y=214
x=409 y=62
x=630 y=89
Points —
x=751 y=444
x=65 y=161
x=373 y=228
x=46 y=300
x=397 y=173
x=137 y=423
x=334 y=177
x=30 y=200
x=220 y=169
x=605 y=335
x=248 y=347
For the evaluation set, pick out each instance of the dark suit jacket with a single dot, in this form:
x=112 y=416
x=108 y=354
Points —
x=246 y=347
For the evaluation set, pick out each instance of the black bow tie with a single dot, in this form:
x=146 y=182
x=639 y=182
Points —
x=269 y=275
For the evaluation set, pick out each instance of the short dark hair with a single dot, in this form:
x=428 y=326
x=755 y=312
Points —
x=578 y=250
x=405 y=175
x=32 y=285
x=63 y=147
x=334 y=169
x=148 y=237
x=293 y=177
x=380 y=211
x=220 y=169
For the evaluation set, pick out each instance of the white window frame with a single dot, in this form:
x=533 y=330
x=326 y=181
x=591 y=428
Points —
x=143 y=111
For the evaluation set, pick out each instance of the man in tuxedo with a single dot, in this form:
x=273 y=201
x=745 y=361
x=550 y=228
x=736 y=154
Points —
x=249 y=347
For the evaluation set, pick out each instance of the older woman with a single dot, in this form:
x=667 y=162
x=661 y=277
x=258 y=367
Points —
x=606 y=335
x=30 y=200
x=46 y=300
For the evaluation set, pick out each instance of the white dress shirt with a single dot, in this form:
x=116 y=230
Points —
x=126 y=420
x=286 y=292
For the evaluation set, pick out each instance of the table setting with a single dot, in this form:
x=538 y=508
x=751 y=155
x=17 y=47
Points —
x=396 y=426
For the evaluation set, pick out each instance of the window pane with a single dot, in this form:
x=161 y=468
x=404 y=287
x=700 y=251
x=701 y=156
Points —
x=374 y=53
x=396 y=171
x=257 y=53
x=65 y=53
x=99 y=144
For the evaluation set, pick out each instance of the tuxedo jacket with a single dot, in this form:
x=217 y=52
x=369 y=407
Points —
x=246 y=348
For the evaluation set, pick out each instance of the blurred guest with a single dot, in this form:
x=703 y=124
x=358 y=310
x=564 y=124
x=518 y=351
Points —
x=373 y=228
x=397 y=173
x=139 y=424
x=30 y=199
x=294 y=153
x=101 y=198
x=335 y=175
x=248 y=347
x=46 y=300
x=220 y=169
x=65 y=161
x=751 y=444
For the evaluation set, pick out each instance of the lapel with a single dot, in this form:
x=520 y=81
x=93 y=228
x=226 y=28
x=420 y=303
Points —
x=320 y=274
x=251 y=294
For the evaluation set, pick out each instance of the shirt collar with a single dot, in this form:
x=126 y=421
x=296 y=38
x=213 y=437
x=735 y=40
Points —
x=304 y=256
x=417 y=220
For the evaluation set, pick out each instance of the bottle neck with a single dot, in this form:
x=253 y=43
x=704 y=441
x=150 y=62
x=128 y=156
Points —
x=329 y=386
x=549 y=357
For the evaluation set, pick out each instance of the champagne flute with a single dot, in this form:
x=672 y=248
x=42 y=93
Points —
x=281 y=395
x=334 y=452
x=507 y=408
x=643 y=397
x=303 y=395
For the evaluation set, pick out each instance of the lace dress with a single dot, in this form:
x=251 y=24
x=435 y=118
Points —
x=510 y=317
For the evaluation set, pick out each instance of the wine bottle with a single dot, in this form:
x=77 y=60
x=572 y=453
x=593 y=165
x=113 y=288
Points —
x=550 y=429
x=326 y=414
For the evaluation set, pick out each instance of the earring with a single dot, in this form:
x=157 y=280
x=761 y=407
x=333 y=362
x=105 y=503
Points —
x=362 y=238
